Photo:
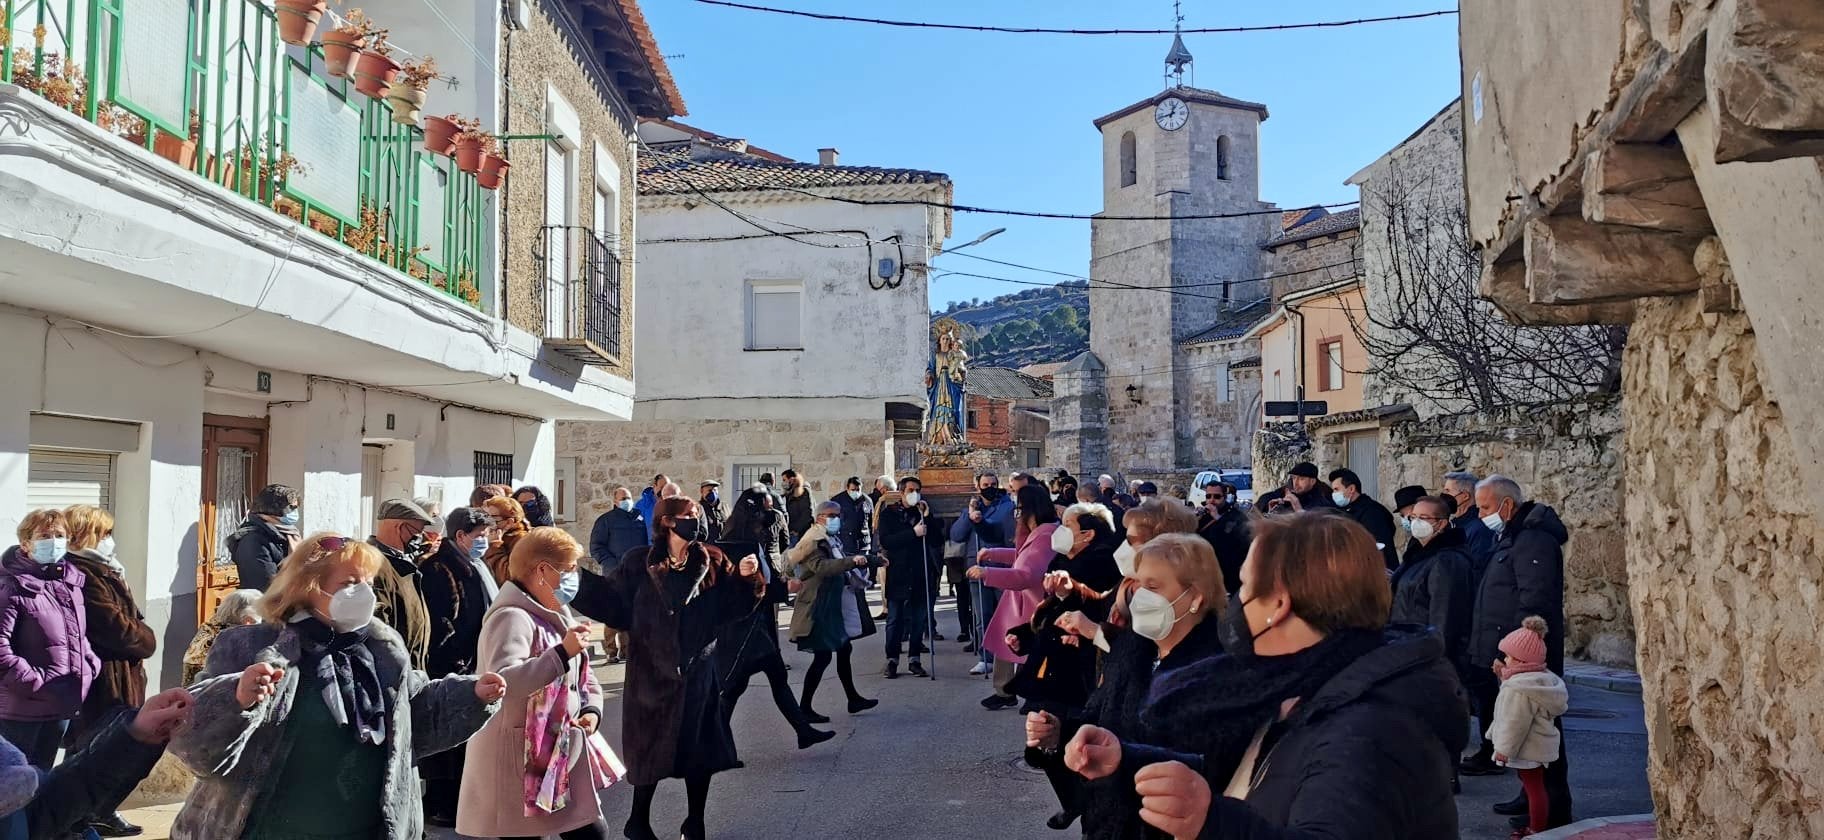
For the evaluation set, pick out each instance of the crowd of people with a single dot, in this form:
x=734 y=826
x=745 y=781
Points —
x=1223 y=671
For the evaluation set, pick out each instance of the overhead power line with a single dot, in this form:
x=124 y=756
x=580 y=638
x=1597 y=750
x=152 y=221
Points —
x=1045 y=30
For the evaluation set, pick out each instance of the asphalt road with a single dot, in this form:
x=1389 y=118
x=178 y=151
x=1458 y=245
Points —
x=930 y=762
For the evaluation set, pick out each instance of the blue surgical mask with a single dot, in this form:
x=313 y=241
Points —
x=291 y=517
x=1340 y=499
x=1494 y=522
x=624 y=504
x=478 y=547
x=567 y=585
x=712 y=499
x=46 y=552
x=833 y=524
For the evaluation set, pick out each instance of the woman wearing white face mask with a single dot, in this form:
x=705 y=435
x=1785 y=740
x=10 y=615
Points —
x=1151 y=519
x=312 y=723
x=1165 y=619
x=547 y=728
x=46 y=663
x=118 y=634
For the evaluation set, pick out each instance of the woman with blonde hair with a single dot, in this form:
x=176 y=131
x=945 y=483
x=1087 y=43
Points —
x=118 y=634
x=1320 y=721
x=1162 y=622
x=238 y=608
x=312 y=723
x=509 y=525
x=540 y=766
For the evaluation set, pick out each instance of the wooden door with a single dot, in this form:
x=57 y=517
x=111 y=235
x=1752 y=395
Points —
x=234 y=470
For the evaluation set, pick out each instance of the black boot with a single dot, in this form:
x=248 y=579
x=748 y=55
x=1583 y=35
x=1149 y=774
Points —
x=1482 y=763
x=1061 y=820
x=1512 y=807
x=812 y=737
x=859 y=704
x=116 y=826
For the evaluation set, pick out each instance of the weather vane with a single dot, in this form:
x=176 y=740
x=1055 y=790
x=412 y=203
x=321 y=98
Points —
x=1179 y=58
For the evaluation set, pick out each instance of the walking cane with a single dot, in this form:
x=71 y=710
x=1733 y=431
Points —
x=930 y=607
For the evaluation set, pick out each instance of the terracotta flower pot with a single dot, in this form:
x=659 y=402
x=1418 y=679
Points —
x=493 y=169
x=374 y=73
x=468 y=154
x=340 y=47
x=178 y=150
x=439 y=136
x=298 y=20
x=406 y=101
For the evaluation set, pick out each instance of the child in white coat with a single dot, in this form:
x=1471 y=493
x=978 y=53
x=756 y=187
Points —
x=1531 y=699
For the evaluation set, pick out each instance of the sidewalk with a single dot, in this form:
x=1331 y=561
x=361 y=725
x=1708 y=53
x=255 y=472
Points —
x=1637 y=827
x=1593 y=675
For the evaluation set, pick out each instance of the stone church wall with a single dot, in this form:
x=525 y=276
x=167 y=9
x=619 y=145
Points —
x=1723 y=556
x=1221 y=410
x=1314 y=262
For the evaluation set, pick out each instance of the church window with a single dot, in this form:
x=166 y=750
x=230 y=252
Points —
x=1130 y=164
x=1222 y=157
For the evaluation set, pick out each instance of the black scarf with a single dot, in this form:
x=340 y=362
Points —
x=351 y=685
x=1215 y=706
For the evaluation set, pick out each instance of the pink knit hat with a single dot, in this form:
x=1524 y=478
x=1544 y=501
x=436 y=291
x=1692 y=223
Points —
x=1526 y=645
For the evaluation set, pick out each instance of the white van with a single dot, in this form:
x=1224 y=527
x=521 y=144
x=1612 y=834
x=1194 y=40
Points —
x=1241 y=480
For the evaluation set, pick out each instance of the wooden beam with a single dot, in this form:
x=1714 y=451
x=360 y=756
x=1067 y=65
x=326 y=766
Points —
x=1719 y=293
x=1646 y=186
x=1504 y=285
x=1765 y=79
x=1571 y=261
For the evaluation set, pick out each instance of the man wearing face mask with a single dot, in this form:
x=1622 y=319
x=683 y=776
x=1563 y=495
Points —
x=1225 y=527
x=1525 y=576
x=619 y=530
x=1346 y=493
x=458 y=589
x=399 y=585
x=988 y=523
x=857 y=511
x=1478 y=539
x=266 y=536
x=715 y=517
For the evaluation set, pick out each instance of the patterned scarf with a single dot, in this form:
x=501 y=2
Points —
x=554 y=744
x=351 y=685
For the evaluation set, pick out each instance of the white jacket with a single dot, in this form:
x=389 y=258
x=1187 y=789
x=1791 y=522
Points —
x=1524 y=710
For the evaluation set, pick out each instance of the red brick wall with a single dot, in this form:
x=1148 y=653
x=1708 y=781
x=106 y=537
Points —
x=993 y=428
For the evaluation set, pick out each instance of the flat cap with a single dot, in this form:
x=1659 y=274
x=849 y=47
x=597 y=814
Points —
x=403 y=509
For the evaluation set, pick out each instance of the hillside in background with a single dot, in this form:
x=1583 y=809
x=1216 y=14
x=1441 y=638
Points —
x=1049 y=324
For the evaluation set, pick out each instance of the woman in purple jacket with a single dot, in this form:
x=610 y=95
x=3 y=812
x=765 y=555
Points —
x=46 y=665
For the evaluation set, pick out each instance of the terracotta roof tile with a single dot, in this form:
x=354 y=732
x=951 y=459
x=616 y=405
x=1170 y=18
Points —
x=736 y=172
x=655 y=59
x=1325 y=226
x=1232 y=324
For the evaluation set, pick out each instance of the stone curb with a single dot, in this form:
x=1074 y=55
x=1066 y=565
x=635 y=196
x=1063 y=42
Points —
x=1577 y=828
x=1625 y=685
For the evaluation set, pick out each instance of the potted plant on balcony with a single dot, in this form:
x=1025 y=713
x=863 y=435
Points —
x=122 y=123
x=179 y=150
x=407 y=94
x=376 y=69
x=440 y=134
x=347 y=40
x=298 y=20
x=471 y=144
x=493 y=169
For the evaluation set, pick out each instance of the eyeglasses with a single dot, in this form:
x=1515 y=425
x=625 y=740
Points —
x=330 y=544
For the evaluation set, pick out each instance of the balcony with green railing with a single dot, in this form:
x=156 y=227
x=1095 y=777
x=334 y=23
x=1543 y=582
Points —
x=209 y=86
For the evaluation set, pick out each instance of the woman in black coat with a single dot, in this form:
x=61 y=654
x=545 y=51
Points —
x=1328 y=724
x=1435 y=585
x=457 y=593
x=1182 y=570
x=673 y=600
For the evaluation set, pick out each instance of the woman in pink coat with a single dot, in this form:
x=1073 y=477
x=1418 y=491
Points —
x=1019 y=573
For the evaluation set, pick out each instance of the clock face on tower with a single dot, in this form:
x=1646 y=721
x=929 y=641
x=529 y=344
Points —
x=1171 y=113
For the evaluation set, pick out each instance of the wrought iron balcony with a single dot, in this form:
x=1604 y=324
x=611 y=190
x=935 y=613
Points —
x=212 y=88
x=578 y=296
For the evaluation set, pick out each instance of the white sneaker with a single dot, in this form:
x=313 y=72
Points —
x=981 y=668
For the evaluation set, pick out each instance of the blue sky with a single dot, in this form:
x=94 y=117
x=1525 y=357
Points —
x=1008 y=116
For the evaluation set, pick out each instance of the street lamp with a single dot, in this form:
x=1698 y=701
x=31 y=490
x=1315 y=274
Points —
x=976 y=241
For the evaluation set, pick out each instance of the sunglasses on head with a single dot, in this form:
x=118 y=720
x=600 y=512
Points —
x=327 y=546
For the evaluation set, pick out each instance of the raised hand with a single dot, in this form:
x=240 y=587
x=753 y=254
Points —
x=490 y=687
x=258 y=683
x=1094 y=753
x=750 y=566
x=162 y=714
x=1077 y=623
x=576 y=639
x=1042 y=730
x=1173 y=798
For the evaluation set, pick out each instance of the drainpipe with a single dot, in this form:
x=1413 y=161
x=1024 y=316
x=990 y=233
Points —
x=1298 y=349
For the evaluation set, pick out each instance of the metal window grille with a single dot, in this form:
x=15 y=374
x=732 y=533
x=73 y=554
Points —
x=493 y=468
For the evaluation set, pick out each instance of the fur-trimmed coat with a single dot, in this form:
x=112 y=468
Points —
x=238 y=753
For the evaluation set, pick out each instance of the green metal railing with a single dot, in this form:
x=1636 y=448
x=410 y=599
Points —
x=208 y=85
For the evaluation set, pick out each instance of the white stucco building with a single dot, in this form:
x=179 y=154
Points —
x=174 y=338
x=763 y=351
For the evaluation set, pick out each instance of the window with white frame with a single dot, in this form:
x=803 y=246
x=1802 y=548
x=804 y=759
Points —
x=560 y=187
x=563 y=496
x=775 y=315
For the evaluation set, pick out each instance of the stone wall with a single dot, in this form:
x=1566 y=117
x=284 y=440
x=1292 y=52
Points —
x=539 y=54
x=1220 y=408
x=1078 y=439
x=1723 y=557
x=1314 y=262
x=1567 y=455
x=610 y=455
